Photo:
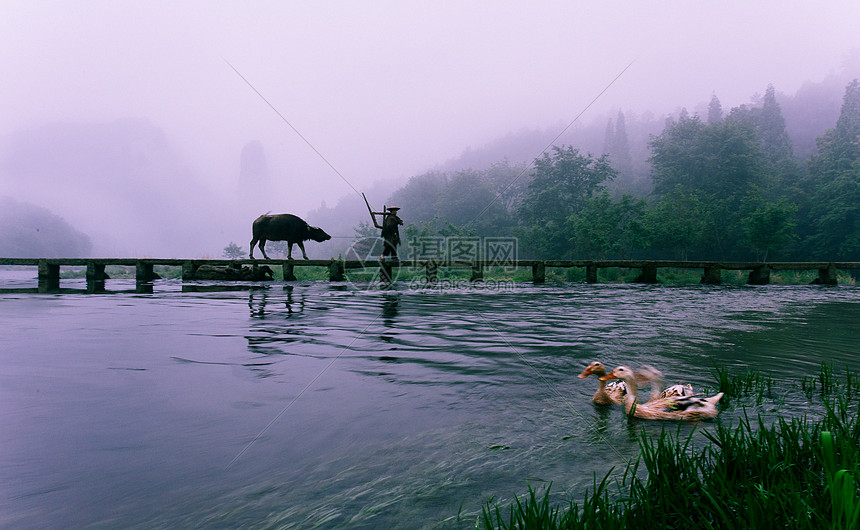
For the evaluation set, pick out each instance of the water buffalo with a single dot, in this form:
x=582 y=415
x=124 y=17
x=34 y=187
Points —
x=285 y=227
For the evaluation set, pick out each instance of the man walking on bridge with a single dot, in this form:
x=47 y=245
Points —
x=390 y=232
x=390 y=228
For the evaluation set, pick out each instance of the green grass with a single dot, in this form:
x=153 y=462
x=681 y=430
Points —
x=826 y=383
x=748 y=384
x=789 y=473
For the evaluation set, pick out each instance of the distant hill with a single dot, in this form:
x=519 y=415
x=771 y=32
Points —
x=29 y=231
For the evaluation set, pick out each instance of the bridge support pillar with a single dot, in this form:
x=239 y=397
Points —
x=648 y=274
x=827 y=276
x=711 y=276
x=539 y=272
x=188 y=270
x=143 y=276
x=431 y=271
x=477 y=273
x=759 y=276
x=289 y=273
x=49 y=276
x=335 y=271
x=95 y=277
x=591 y=273
x=385 y=272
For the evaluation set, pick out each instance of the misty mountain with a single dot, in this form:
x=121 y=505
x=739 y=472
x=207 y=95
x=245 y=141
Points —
x=29 y=231
x=122 y=182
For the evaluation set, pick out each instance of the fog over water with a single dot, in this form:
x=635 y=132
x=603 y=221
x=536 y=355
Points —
x=164 y=128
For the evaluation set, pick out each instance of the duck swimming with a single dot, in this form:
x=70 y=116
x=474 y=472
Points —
x=647 y=374
x=607 y=394
x=666 y=408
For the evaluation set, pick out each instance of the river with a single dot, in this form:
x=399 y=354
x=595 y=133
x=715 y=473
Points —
x=349 y=406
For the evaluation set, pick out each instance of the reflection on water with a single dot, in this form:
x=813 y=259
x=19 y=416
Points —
x=316 y=404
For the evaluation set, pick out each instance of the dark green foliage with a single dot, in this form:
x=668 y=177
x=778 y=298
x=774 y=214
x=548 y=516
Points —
x=834 y=185
x=715 y=110
x=483 y=201
x=606 y=228
x=677 y=222
x=720 y=159
x=561 y=184
x=768 y=225
x=729 y=188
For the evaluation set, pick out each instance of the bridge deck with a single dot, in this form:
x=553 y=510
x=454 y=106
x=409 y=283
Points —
x=49 y=268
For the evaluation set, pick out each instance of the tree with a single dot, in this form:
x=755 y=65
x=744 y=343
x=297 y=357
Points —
x=619 y=150
x=715 y=110
x=608 y=136
x=507 y=182
x=721 y=159
x=420 y=196
x=677 y=222
x=770 y=126
x=561 y=182
x=781 y=173
x=839 y=148
x=606 y=228
x=232 y=251
x=468 y=200
x=834 y=185
x=770 y=226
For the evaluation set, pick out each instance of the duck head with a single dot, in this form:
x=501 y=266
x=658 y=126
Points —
x=622 y=372
x=595 y=368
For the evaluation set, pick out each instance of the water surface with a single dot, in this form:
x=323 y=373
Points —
x=342 y=406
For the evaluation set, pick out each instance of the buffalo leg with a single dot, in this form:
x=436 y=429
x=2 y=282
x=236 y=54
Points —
x=253 y=242
x=302 y=246
x=263 y=248
x=289 y=250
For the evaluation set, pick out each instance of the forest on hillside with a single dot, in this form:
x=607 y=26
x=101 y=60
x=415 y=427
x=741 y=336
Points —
x=713 y=185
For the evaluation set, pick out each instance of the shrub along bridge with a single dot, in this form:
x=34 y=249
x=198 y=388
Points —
x=759 y=272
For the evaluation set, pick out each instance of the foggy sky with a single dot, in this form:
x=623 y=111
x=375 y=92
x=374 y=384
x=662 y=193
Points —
x=385 y=90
